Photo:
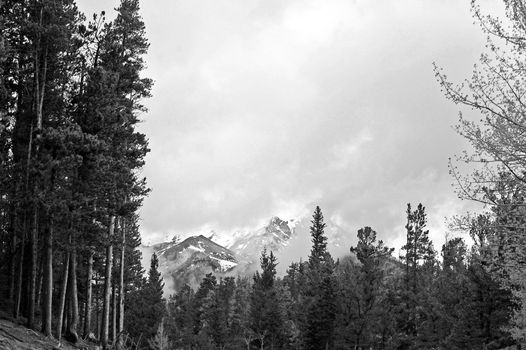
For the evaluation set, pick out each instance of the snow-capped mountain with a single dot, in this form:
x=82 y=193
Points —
x=273 y=237
x=238 y=252
x=189 y=261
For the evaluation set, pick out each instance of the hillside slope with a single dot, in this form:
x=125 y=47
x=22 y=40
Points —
x=14 y=336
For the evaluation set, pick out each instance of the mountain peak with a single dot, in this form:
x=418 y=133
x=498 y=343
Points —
x=276 y=221
x=187 y=261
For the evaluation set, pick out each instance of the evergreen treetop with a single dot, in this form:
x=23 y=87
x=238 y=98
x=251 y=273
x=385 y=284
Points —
x=155 y=280
x=318 y=252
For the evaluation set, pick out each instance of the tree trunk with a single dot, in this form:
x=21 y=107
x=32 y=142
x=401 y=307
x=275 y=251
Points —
x=12 y=272
x=33 y=270
x=82 y=312
x=113 y=314
x=16 y=312
x=40 y=89
x=62 y=301
x=120 y=329
x=98 y=327
x=48 y=282
x=107 y=286
x=89 y=291
x=74 y=300
x=67 y=308
x=12 y=267
x=40 y=279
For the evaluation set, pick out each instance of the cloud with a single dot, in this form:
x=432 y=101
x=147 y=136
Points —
x=265 y=108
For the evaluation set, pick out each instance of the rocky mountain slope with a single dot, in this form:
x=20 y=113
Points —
x=273 y=237
x=235 y=253
x=187 y=262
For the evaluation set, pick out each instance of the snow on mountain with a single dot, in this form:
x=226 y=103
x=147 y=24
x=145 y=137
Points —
x=248 y=247
x=189 y=261
x=238 y=252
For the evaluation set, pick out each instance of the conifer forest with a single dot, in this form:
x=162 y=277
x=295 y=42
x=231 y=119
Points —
x=73 y=88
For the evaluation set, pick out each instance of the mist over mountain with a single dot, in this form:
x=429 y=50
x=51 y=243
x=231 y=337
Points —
x=237 y=253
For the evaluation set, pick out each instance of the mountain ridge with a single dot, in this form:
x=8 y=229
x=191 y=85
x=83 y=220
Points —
x=237 y=252
x=189 y=260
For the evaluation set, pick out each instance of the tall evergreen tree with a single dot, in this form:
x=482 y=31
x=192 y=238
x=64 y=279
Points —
x=146 y=307
x=320 y=309
x=70 y=154
x=266 y=321
x=241 y=315
x=367 y=292
x=179 y=320
x=419 y=258
x=318 y=253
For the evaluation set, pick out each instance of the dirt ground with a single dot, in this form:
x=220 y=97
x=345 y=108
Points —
x=17 y=337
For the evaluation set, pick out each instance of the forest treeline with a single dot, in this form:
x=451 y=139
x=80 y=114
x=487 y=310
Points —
x=369 y=300
x=70 y=187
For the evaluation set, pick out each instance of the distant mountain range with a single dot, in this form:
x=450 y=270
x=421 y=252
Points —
x=227 y=254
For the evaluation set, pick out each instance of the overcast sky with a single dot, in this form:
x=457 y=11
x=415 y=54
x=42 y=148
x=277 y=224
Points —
x=270 y=107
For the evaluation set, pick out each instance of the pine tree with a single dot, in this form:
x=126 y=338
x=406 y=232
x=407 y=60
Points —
x=146 y=307
x=319 y=300
x=38 y=68
x=318 y=253
x=156 y=308
x=266 y=321
x=295 y=281
x=419 y=258
x=242 y=334
x=160 y=341
x=223 y=320
x=69 y=153
x=452 y=289
x=155 y=281
x=108 y=112
x=179 y=320
x=367 y=291
x=7 y=238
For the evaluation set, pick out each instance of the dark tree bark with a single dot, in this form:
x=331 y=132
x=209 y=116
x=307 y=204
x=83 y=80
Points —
x=62 y=301
x=48 y=282
x=114 y=315
x=40 y=278
x=20 y=276
x=120 y=328
x=107 y=286
x=89 y=291
x=98 y=328
x=40 y=84
x=72 y=333
x=12 y=267
x=33 y=241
